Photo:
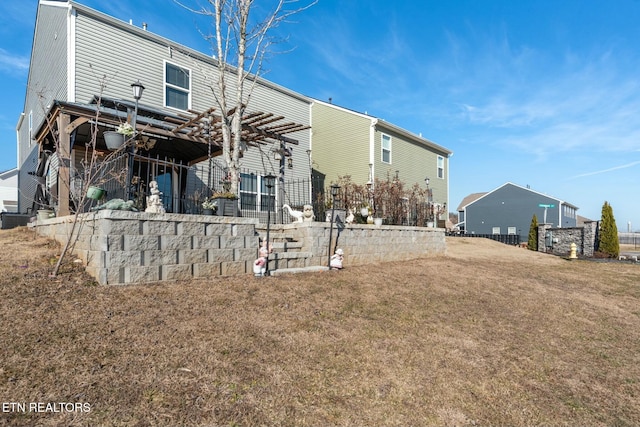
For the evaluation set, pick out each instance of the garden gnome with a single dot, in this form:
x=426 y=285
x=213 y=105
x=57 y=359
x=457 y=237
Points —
x=336 y=260
x=260 y=265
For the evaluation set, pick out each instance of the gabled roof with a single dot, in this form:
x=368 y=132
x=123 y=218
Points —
x=391 y=127
x=470 y=199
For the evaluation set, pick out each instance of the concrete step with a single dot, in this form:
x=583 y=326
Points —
x=289 y=255
x=294 y=270
x=286 y=246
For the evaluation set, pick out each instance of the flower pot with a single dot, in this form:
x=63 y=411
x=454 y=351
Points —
x=377 y=222
x=113 y=139
x=45 y=214
x=95 y=193
x=207 y=212
x=227 y=207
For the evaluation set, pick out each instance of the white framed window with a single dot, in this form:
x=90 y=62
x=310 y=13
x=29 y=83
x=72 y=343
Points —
x=440 y=165
x=251 y=198
x=177 y=87
x=511 y=230
x=386 y=149
x=496 y=230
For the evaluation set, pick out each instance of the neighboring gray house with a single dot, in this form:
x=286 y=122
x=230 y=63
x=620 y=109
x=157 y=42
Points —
x=509 y=209
x=74 y=46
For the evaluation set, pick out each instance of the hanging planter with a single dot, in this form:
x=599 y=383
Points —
x=95 y=193
x=113 y=139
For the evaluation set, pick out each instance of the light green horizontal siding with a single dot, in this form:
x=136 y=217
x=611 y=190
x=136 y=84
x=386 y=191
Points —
x=413 y=162
x=340 y=143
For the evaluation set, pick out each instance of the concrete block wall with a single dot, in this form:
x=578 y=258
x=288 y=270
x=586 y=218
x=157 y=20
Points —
x=364 y=243
x=121 y=247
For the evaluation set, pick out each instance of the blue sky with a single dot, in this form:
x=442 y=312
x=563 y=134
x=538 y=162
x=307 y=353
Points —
x=543 y=93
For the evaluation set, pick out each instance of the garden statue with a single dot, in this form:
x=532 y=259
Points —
x=154 y=204
x=336 y=260
x=306 y=215
x=350 y=217
x=116 y=205
x=260 y=265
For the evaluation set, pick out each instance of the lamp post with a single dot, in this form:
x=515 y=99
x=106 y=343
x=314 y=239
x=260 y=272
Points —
x=137 y=94
x=334 y=192
x=426 y=181
x=268 y=182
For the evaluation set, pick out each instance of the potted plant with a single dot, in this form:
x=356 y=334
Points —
x=115 y=139
x=95 y=193
x=227 y=203
x=209 y=206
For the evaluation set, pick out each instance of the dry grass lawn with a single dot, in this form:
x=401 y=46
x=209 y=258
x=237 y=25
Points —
x=487 y=335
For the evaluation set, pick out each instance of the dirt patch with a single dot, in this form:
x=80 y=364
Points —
x=487 y=335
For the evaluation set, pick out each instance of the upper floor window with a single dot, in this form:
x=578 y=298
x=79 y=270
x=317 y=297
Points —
x=177 y=87
x=386 y=148
x=440 y=167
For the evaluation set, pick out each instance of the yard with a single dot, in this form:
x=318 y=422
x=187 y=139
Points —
x=488 y=335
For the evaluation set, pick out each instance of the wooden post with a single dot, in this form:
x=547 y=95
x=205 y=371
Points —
x=64 y=157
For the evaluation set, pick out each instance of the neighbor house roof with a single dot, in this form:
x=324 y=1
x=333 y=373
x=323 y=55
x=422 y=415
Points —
x=469 y=199
x=476 y=196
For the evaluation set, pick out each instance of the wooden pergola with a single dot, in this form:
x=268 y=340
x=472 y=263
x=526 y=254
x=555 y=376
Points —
x=189 y=137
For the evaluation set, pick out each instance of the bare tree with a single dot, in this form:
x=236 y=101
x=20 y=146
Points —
x=241 y=46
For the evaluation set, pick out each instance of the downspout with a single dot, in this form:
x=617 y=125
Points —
x=310 y=153
x=19 y=166
x=372 y=145
x=71 y=54
x=449 y=188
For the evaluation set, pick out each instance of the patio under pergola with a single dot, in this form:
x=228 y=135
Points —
x=173 y=138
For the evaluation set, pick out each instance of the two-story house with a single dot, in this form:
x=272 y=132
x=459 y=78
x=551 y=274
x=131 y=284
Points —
x=83 y=67
x=346 y=142
x=509 y=209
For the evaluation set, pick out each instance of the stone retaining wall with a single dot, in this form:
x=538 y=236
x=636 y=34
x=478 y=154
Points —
x=366 y=244
x=120 y=247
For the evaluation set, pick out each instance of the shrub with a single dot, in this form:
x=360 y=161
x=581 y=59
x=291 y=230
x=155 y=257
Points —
x=532 y=244
x=608 y=243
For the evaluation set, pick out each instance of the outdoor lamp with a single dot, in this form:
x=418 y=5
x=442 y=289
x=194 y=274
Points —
x=334 y=191
x=269 y=181
x=426 y=181
x=137 y=90
x=137 y=94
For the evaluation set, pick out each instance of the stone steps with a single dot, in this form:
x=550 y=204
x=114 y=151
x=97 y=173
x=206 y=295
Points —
x=287 y=255
x=295 y=270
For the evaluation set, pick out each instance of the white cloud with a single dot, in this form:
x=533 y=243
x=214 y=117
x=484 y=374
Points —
x=13 y=64
x=615 y=168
